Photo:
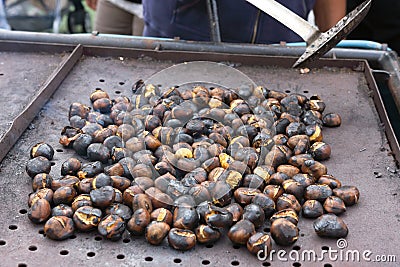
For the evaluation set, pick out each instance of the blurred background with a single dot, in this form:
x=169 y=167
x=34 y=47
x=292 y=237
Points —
x=59 y=16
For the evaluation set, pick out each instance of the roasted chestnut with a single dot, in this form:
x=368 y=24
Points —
x=329 y=180
x=259 y=242
x=86 y=218
x=103 y=196
x=162 y=215
x=81 y=143
x=38 y=165
x=185 y=218
x=142 y=201
x=318 y=192
x=111 y=227
x=44 y=193
x=254 y=214
x=119 y=209
x=59 y=228
x=181 y=239
x=273 y=191
x=244 y=196
x=42 y=149
x=349 y=194
x=334 y=205
x=78 y=109
x=41 y=180
x=241 y=232
x=330 y=225
x=218 y=217
x=236 y=210
x=312 y=209
x=139 y=221
x=288 y=201
x=64 y=195
x=156 y=232
x=320 y=151
x=80 y=201
x=40 y=211
x=71 y=166
x=266 y=203
x=90 y=169
x=284 y=232
x=287 y=214
x=206 y=234
x=332 y=120
x=62 y=210
x=98 y=152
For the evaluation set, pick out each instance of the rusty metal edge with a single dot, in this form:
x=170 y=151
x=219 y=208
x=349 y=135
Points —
x=22 y=121
x=383 y=115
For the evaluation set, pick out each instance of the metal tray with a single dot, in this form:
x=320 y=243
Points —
x=361 y=153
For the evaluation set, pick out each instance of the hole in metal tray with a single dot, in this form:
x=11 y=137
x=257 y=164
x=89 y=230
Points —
x=205 y=262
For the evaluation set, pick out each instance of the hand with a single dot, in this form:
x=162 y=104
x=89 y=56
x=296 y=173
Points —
x=92 y=4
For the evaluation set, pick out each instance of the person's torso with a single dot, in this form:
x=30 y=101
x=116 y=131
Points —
x=239 y=20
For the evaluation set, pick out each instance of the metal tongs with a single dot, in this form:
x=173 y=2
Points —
x=318 y=43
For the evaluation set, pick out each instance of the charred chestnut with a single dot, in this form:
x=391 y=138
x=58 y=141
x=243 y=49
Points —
x=156 y=232
x=86 y=218
x=103 y=196
x=59 y=228
x=139 y=221
x=349 y=194
x=42 y=149
x=241 y=232
x=41 y=180
x=142 y=201
x=332 y=120
x=90 y=169
x=334 y=205
x=288 y=201
x=236 y=210
x=320 y=151
x=244 y=196
x=64 y=195
x=98 y=152
x=218 y=217
x=287 y=214
x=81 y=143
x=273 y=191
x=205 y=234
x=40 y=211
x=181 y=239
x=119 y=209
x=317 y=192
x=330 y=225
x=71 y=166
x=259 y=242
x=162 y=215
x=38 y=165
x=254 y=214
x=265 y=203
x=329 y=180
x=284 y=232
x=312 y=209
x=111 y=227
x=80 y=201
x=185 y=218
x=62 y=210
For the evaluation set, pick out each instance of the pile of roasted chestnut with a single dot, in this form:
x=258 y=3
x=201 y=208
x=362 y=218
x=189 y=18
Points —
x=192 y=163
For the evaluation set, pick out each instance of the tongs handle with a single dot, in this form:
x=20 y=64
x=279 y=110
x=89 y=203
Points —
x=212 y=11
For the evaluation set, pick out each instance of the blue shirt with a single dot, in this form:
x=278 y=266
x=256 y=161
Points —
x=239 y=20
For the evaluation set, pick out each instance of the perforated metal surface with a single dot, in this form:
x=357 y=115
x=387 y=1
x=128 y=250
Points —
x=359 y=152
